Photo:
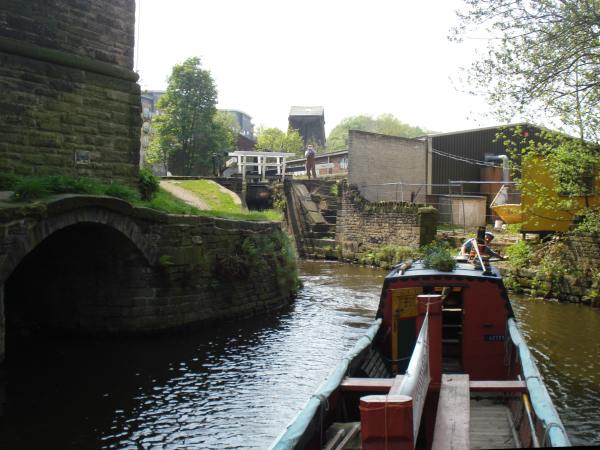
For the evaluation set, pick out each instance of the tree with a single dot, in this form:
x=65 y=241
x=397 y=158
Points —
x=163 y=143
x=224 y=134
x=186 y=127
x=275 y=140
x=543 y=56
x=384 y=124
x=554 y=170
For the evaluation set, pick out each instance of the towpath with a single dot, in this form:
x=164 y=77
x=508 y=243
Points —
x=183 y=194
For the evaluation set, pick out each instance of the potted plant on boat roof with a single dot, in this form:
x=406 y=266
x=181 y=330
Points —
x=438 y=256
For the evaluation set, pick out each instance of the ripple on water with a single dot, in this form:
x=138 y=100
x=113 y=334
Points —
x=239 y=385
x=563 y=339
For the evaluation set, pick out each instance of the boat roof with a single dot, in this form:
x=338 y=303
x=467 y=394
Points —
x=462 y=269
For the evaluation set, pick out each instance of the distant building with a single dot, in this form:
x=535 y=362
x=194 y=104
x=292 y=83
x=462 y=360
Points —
x=148 y=110
x=310 y=123
x=154 y=95
x=246 y=141
x=244 y=121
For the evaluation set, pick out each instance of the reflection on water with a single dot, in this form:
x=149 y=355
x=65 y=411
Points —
x=236 y=386
x=239 y=385
x=563 y=337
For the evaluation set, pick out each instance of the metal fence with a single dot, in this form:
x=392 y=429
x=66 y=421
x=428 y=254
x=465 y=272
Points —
x=465 y=205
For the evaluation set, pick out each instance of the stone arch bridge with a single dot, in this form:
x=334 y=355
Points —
x=89 y=264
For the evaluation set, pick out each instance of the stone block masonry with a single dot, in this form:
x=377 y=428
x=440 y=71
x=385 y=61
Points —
x=98 y=265
x=70 y=102
x=363 y=226
x=375 y=159
x=579 y=279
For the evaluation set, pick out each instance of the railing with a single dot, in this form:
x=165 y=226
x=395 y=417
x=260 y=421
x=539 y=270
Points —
x=464 y=204
x=554 y=431
x=416 y=379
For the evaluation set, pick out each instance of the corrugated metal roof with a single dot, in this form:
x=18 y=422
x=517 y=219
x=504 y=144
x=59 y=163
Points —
x=307 y=111
x=476 y=130
x=473 y=145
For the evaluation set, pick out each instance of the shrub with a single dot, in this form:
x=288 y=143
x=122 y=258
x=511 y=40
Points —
x=122 y=192
x=8 y=181
x=278 y=195
x=589 y=221
x=31 y=188
x=335 y=189
x=519 y=254
x=438 y=256
x=388 y=255
x=60 y=184
x=261 y=253
x=148 y=184
x=165 y=261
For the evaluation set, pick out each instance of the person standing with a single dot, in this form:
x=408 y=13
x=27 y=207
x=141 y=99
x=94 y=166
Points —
x=467 y=247
x=310 y=156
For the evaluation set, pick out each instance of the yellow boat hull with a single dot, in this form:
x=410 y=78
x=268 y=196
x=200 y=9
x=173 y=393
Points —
x=509 y=213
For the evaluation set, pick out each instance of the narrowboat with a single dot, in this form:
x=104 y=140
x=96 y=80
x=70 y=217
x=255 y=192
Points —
x=443 y=366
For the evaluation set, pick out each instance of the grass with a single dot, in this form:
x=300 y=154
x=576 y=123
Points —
x=36 y=187
x=166 y=202
x=31 y=188
x=222 y=205
x=212 y=196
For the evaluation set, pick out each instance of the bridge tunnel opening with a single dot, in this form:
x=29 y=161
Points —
x=79 y=280
x=259 y=196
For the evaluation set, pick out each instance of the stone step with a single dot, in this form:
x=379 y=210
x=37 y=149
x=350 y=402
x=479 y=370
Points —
x=329 y=234
x=321 y=235
x=330 y=219
x=329 y=196
x=314 y=218
x=322 y=243
x=322 y=227
x=321 y=255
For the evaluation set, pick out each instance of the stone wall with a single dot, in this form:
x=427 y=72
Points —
x=375 y=159
x=580 y=258
x=70 y=102
x=102 y=30
x=363 y=226
x=98 y=265
x=585 y=249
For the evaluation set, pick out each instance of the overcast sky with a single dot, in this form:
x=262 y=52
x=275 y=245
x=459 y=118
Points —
x=351 y=57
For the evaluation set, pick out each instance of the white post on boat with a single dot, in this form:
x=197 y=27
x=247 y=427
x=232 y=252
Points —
x=415 y=383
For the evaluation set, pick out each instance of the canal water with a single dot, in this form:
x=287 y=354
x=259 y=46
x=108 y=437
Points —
x=239 y=384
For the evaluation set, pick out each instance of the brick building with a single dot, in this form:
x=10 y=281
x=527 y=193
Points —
x=310 y=123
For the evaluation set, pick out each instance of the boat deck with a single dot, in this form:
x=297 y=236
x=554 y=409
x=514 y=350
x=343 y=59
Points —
x=471 y=414
x=491 y=426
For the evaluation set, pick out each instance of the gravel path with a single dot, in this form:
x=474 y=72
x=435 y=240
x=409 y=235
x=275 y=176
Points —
x=183 y=194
